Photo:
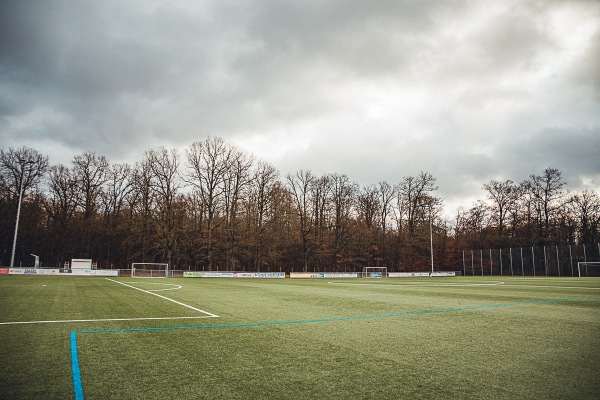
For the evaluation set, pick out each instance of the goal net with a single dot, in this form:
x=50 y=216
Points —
x=149 y=270
x=374 y=272
x=588 y=268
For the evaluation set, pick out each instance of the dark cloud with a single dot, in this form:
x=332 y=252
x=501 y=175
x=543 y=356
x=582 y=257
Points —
x=378 y=90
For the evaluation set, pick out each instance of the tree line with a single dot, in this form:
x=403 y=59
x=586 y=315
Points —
x=213 y=206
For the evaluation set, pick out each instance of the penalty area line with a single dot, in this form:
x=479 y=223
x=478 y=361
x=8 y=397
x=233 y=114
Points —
x=165 y=298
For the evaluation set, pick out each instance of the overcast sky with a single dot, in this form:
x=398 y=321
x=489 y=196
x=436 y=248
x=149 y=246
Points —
x=469 y=91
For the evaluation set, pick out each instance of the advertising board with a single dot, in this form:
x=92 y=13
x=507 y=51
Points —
x=323 y=275
x=213 y=274
x=64 y=272
x=443 y=273
x=192 y=274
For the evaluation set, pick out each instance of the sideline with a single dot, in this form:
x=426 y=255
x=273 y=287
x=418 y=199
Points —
x=552 y=287
x=64 y=321
x=420 y=284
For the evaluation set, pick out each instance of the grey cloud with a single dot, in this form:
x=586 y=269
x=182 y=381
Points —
x=373 y=89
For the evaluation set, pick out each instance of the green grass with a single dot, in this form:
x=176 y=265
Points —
x=528 y=338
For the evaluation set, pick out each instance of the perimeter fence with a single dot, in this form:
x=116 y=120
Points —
x=553 y=260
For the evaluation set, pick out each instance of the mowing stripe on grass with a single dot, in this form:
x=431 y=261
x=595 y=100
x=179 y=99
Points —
x=355 y=318
x=77 y=383
x=166 y=298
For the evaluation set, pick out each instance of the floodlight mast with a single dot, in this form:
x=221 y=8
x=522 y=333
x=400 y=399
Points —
x=430 y=233
x=12 y=257
x=431 y=239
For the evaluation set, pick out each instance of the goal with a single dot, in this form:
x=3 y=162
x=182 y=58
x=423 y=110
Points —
x=374 y=272
x=149 y=270
x=588 y=268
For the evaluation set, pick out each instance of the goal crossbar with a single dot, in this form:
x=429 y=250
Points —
x=584 y=264
x=153 y=270
x=374 y=272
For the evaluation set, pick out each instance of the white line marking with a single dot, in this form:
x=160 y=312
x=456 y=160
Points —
x=102 y=320
x=177 y=287
x=415 y=284
x=166 y=298
x=554 y=287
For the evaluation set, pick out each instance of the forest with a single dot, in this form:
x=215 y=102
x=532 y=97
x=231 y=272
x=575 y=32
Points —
x=214 y=206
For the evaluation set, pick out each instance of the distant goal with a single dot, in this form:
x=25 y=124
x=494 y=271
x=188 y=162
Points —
x=588 y=269
x=149 y=270
x=374 y=272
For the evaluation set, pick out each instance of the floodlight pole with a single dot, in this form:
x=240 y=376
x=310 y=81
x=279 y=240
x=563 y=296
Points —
x=14 y=247
x=431 y=239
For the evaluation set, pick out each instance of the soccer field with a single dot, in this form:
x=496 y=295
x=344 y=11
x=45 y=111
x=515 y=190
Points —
x=462 y=337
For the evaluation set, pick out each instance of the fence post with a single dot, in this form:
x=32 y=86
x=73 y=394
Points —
x=491 y=272
x=585 y=260
x=511 y=266
x=545 y=261
x=522 y=263
x=557 y=261
x=481 y=260
x=501 y=262
x=533 y=260
x=571 y=258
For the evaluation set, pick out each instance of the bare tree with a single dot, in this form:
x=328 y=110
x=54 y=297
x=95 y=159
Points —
x=118 y=187
x=320 y=193
x=266 y=179
x=343 y=197
x=546 y=190
x=502 y=195
x=368 y=206
x=477 y=219
x=386 y=193
x=21 y=169
x=236 y=180
x=414 y=192
x=60 y=206
x=163 y=165
x=89 y=175
x=208 y=163
x=300 y=188
x=585 y=208
x=141 y=204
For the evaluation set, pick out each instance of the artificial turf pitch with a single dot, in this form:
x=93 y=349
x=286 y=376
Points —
x=461 y=337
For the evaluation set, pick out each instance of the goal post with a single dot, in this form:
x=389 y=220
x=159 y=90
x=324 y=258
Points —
x=149 y=270
x=374 y=272
x=588 y=268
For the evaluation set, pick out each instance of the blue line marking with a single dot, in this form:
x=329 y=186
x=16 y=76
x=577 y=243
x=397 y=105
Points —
x=77 y=386
x=314 y=321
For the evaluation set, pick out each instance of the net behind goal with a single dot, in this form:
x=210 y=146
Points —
x=588 y=269
x=149 y=270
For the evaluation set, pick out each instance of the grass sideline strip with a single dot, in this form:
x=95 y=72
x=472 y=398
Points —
x=76 y=371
